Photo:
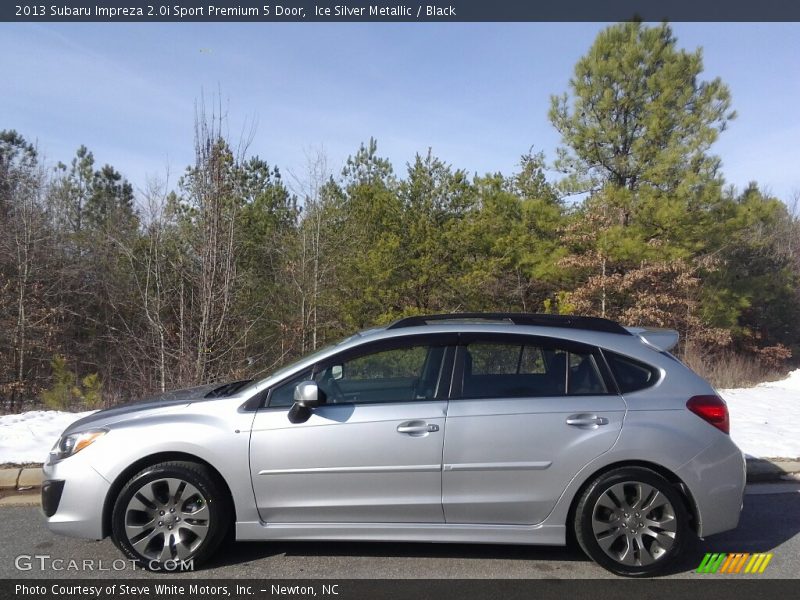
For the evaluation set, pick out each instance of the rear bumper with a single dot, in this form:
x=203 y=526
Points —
x=716 y=478
x=73 y=496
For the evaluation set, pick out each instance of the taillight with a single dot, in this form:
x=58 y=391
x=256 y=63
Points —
x=711 y=409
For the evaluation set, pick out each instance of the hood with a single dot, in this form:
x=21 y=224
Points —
x=174 y=398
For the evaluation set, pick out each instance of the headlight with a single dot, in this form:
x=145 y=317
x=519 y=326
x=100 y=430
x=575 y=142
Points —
x=67 y=445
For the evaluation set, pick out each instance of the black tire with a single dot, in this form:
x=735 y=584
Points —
x=640 y=537
x=202 y=502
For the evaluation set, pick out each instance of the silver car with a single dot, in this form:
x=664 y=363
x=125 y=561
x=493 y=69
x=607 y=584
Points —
x=480 y=428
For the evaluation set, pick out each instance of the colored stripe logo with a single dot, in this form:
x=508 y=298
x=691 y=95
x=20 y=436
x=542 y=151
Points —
x=742 y=562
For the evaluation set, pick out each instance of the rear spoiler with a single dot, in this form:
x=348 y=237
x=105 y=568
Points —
x=663 y=340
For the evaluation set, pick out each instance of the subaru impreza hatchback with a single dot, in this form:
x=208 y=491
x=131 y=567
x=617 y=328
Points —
x=478 y=428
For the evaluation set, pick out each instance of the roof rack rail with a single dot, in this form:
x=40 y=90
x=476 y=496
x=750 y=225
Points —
x=541 y=320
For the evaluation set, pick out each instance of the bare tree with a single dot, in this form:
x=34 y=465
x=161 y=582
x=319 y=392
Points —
x=314 y=267
x=214 y=202
x=25 y=317
x=154 y=290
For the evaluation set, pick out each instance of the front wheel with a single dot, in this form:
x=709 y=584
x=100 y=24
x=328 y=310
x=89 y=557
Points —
x=170 y=514
x=632 y=521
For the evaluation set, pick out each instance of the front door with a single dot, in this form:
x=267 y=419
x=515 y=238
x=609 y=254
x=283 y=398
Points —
x=372 y=453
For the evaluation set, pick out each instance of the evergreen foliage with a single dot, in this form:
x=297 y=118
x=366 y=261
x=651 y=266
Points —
x=234 y=271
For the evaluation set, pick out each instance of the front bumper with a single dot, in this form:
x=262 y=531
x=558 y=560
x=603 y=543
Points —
x=716 y=478
x=76 y=510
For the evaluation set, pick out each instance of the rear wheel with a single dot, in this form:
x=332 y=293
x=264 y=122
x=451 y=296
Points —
x=632 y=521
x=171 y=513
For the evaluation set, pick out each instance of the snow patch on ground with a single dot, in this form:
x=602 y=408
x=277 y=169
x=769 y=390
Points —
x=28 y=437
x=765 y=423
x=765 y=419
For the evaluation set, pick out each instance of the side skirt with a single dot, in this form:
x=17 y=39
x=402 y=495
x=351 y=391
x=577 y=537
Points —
x=550 y=535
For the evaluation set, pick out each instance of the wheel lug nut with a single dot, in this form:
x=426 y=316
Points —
x=161 y=523
x=170 y=527
x=162 y=512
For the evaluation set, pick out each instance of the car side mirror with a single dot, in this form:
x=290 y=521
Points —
x=308 y=395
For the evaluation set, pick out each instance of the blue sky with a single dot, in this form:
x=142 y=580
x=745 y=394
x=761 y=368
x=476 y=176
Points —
x=478 y=94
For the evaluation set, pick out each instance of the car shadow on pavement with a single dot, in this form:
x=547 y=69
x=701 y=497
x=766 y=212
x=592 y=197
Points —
x=767 y=521
x=249 y=551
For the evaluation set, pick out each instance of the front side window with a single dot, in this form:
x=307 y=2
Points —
x=283 y=395
x=519 y=370
x=403 y=363
x=384 y=375
x=390 y=375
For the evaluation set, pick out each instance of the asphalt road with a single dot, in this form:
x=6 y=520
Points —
x=770 y=523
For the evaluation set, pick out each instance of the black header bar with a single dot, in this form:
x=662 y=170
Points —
x=398 y=11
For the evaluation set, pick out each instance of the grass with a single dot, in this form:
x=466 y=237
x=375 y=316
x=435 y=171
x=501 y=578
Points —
x=729 y=369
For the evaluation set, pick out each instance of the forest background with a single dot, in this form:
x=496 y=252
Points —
x=109 y=294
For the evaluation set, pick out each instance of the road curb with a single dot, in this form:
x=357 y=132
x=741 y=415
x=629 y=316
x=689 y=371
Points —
x=20 y=479
x=771 y=469
x=17 y=480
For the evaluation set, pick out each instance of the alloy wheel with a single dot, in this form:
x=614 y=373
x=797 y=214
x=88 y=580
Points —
x=167 y=519
x=634 y=523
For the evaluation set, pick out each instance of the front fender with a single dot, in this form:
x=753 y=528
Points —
x=222 y=441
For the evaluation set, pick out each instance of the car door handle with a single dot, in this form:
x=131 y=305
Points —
x=416 y=427
x=586 y=421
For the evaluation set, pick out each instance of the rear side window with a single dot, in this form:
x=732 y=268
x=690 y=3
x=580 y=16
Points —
x=512 y=370
x=584 y=376
x=631 y=375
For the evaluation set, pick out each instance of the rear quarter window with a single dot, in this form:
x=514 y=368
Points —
x=631 y=375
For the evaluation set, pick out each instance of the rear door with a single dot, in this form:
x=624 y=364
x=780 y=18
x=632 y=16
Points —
x=526 y=415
